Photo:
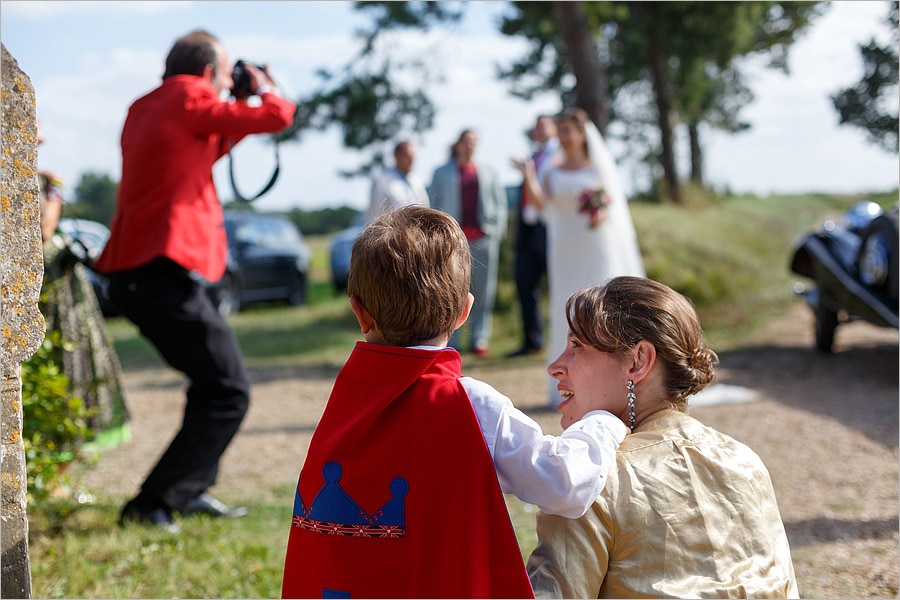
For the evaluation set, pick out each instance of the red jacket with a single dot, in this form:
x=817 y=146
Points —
x=167 y=203
x=398 y=496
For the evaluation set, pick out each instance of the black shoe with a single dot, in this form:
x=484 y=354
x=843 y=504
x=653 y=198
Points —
x=523 y=352
x=157 y=517
x=207 y=504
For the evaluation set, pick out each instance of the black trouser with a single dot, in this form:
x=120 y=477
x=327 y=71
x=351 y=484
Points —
x=530 y=267
x=174 y=313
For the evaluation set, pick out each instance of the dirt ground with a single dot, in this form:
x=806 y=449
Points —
x=825 y=425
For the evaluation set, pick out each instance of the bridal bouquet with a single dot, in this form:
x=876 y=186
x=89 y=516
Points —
x=592 y=203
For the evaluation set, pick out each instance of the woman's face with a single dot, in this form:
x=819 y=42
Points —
x=588 y=379
x=571 y=138
x=465 y=147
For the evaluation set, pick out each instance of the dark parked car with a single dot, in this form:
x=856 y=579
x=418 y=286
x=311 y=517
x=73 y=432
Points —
x=339 y=251
x=853 y=265
x=268 y=260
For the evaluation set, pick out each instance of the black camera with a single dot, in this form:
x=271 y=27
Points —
x=241 y=78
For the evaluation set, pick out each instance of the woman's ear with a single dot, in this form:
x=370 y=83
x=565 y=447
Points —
x=363 y=317
x=644 y=357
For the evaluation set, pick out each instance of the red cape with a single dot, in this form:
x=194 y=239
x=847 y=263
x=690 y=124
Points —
x=411 y=506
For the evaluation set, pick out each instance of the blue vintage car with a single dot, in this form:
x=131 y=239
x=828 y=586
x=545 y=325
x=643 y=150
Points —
x=853 y=266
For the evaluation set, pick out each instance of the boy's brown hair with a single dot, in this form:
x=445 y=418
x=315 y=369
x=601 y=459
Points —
x=410 y=268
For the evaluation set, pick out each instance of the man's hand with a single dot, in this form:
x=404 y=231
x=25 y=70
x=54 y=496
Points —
x=259 y=78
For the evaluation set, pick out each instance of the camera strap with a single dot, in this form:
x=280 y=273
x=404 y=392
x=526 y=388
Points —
x=240 y=197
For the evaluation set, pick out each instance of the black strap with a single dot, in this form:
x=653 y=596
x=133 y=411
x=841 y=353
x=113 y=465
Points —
x=238 y=196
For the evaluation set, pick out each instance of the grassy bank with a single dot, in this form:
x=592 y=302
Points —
x=731 y=258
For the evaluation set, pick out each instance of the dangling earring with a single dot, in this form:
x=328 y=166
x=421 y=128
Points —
x=631 y=398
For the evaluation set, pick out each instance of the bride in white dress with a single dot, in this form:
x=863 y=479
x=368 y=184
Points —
x=583 y=248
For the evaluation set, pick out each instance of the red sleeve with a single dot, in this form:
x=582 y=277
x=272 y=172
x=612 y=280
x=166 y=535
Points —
x=206 y=114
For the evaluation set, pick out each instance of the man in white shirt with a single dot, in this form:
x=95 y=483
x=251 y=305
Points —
x=398 y=186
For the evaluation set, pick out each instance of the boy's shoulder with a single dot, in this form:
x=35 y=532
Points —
x=476 y=385
x=484 y=395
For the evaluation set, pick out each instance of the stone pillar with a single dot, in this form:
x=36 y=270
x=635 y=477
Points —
x=21 y=323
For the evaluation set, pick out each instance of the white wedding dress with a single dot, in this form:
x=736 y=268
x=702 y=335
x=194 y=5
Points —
x=578 y=256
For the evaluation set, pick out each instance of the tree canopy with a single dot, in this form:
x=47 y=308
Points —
x=647 y=67
x=871 y=104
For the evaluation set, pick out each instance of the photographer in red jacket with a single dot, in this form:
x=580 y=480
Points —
x=167 y=242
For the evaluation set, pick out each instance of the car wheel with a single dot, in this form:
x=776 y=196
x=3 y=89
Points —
x=877 y=262
x=297 y=295
x=826 y=324
x=228 y=296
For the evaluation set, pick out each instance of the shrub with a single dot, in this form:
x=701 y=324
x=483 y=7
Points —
x=55 y=421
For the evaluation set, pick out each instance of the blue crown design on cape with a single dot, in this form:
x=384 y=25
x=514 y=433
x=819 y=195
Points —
x=334 y=512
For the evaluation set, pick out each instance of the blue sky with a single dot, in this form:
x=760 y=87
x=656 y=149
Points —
x=89 y=60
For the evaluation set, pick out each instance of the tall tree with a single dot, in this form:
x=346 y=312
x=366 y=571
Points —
x=677 y=57
x=680 y=52
x=871 y=104
x=365 y=98
x=688 y=51
x=578 y=38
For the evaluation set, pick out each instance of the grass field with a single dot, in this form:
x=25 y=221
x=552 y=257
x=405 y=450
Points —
x=731 y=258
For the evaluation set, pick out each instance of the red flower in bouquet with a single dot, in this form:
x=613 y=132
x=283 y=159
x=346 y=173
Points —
x=592 y=202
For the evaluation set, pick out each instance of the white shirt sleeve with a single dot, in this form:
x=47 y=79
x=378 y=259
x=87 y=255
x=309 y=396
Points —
x=562 y=475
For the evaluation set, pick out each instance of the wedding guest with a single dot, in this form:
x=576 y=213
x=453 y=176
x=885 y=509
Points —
x=531 y=243
x=167 y=242
x=398 y=186
x=472 y=194
x=687 y=512
x=72 y=311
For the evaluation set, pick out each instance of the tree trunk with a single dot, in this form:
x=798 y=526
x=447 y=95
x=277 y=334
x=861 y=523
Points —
x=590 y=75
x=696 y=154
x=663 y=92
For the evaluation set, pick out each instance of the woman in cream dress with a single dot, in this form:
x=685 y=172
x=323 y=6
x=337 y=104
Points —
x=686 y=511
x=582 y=250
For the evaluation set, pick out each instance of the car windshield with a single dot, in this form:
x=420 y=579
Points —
x=267 y=233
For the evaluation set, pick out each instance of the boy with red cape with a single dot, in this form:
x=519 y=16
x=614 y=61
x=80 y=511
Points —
x=401 y=493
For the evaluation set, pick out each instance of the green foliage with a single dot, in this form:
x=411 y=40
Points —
x=55 y=422
x=871 y=104
x=95 y=198
x=321 y=221
x=370 y=99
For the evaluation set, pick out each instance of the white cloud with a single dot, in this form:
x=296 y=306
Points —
x=44 y=9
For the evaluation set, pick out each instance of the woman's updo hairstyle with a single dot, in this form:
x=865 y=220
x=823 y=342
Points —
x=614 y=317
